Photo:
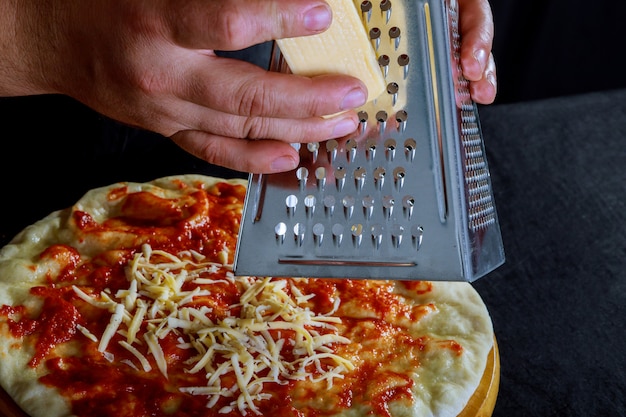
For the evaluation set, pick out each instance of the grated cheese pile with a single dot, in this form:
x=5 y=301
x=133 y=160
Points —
x=247 y=345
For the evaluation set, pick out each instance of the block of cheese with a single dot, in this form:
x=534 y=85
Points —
x=344 y=48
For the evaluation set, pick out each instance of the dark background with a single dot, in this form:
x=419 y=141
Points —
x=548 y=48
x=555 y=143
x=543 y=49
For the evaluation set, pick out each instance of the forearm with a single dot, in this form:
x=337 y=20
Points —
x=22 y=39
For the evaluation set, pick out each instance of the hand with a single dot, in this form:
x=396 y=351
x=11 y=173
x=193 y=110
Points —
x=477 y=63
x=152 y=64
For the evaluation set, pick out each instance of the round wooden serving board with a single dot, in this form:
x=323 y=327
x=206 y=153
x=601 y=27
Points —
x=481 y=404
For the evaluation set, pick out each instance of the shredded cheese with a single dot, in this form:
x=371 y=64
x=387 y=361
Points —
x=116 y=320
x=145 y=364
x=248 y=341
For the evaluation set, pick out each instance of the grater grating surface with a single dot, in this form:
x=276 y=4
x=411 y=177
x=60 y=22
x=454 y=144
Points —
x=407 y=196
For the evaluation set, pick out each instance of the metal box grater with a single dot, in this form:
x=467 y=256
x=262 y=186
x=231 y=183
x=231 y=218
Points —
x=407 y=196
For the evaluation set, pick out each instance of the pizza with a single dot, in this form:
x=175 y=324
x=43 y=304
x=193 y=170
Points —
x=126 y=304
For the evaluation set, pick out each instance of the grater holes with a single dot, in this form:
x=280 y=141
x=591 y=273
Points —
x=280 y=231
x=401 y=118
x=394 y=35
x=403 y=62
x=298 y=232
x=410 y=145
x=385 y=8
x=475 y=164
x=471 y=140
x=377 y=235
x=318 y=233
x=359 y=177
x=331 y=149
x=388 y=203
x=482 y=216
x=408 y=204
x=481 y=209
x=399 y=173
x=467 y=105
x=351 y=149
x=302 y=175
x=305 y=234
x=392 y=90
x=313 y=148
x=383 y=62
x=337 y=232
x=348 y=206
x=480 y=199
x=367 y=163
x=477 y=183
x=379 y=177
x=370 y=149
x=291 y=202
x=329 y=205
x=417 y=235
x=366 y=9
x=363 y=116
x=309 y=205
x=320 y=177
x=381 y=119
x=397 y=232
x=375 y=37
x=356 y=230
x=340 y=177
x=390 y=149
x=467 y=116
x=469 y=128
x=368 y=206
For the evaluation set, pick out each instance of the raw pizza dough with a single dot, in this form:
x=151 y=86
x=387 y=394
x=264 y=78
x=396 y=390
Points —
x=238 y=345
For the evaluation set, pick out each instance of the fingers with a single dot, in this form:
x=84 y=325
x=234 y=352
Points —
x=300 y=130
x=228 y=97
x=237 y=24
x=263 y=156
x=240 y=88
x=476 y=26
x=477 y=31
x=484 y=91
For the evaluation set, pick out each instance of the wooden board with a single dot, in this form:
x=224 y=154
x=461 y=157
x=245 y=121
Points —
x=481 y=404
x=8 y=408
x=483 y=401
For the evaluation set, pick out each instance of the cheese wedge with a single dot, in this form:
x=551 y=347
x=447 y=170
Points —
x=344 y=48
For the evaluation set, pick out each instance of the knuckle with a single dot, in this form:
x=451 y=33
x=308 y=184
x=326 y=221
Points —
x=147 y=83
x=215 y=152
x=231 y=29
x=254 y=100
x=257 y=128
x=219 y=153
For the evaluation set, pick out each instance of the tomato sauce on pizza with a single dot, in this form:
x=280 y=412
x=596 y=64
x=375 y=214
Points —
x=141 y=315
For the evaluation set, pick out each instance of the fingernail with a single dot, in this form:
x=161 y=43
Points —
x=344 y=127
x=353 y=99
x=481 y=56
x=318 y=18
x=492 y=80
x=283 y=163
